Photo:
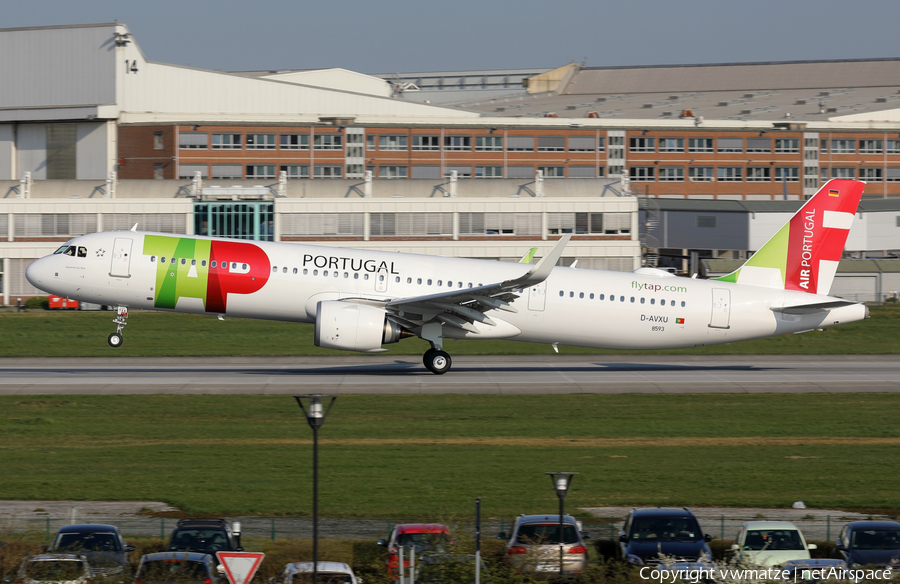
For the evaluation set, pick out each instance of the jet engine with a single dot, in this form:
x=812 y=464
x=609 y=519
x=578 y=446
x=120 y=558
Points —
x=354 y=327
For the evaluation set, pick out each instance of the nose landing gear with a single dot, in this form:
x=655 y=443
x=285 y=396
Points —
x=116 y=339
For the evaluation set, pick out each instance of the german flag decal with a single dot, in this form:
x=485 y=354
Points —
x=833 y=193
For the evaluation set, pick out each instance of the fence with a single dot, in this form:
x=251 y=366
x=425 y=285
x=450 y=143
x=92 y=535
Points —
x=719 y=526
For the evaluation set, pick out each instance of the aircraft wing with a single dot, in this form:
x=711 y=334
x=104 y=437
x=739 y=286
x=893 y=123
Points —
x=461 y=307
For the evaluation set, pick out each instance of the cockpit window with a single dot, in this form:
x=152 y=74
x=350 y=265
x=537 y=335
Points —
x=82 y=252
x=62 y=249
x=70 y=251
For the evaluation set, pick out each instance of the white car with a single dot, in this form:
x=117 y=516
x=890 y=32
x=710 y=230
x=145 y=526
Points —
x=771 y=543
x=329 y=573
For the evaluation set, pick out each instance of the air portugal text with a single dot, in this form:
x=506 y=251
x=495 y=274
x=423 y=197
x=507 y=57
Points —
x=344 y=263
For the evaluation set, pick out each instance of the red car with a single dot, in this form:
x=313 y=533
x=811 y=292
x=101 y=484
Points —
x=424 y=537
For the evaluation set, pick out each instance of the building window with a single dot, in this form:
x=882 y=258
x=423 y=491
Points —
x=870 y=174
x=810 y=142
x=582 y=171
x=457 y=143
x=616 y=170
x=729 y=174
x=642 y=173
x=309 y=224
x=499 y=223
x=700 y=145
x=370 y=142
x=870 y=146
x=787 y=174
x=260 y=171
x=582 y=144
x=295 y=170
x=759 y=144
x=392 y=171
x=426 y=143
x=730 y=144
x=787 y=145
x=706 y=220
x=843 y=146
x=671 y=144
x=642 y=144
x=159 y=171
x=193 y=140
x=294 y=141
x=893 y=174
x=157 y=140
x=355 y=152
x=226 y=171
x=327 y=171
x=260 y=141
x=551 y=144
x=393 y=142
x=843 y=172
x=810 y=154
x=489 y=143
x=189 y=171
x=520 y=144
x=410 y=224
x=488 y=172
x=671 y=174
x=462 y=171
x=700 y=173
x=328 y=142
x=810 y=183
x=553 y=171
x=759 y=174
x=226 y=141
x=893 y=146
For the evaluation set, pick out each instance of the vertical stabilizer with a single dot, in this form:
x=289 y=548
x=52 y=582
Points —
x=804 y=253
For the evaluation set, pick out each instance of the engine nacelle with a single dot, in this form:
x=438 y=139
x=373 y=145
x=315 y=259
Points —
x=353 y=327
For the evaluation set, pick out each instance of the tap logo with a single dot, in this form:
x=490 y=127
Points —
x=205 y=269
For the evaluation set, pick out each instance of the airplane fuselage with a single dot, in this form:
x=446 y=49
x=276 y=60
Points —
x=286 y=281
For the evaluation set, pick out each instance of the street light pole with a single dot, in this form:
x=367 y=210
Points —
x=315 y=411
x=561 y=482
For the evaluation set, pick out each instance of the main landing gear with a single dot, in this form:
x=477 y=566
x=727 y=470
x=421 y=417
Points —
x=437 y=361
x=116 y=339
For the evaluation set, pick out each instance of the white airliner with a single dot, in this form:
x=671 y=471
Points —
x=360 y=300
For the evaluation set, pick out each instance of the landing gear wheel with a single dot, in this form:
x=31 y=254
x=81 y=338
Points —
x=438 y=362
x=115 y=340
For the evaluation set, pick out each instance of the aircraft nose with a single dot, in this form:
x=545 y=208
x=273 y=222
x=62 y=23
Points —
x=34 y=273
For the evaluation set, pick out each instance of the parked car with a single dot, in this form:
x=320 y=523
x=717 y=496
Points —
x=177 y=568
x=423 y=537
x=865 y=543
x=771 y=543
x=206 y=536
x=46 y=568
x=102 y=545
x=329 y=573
x=534 y=545
x=655 y=535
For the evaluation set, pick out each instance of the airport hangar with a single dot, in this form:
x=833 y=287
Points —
x=95 y=137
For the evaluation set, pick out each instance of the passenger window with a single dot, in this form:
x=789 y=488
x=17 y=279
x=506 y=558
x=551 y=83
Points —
x=381 y=277
x=592 y=295
x=365 y=276
x=642 y=300
x=632 y=299
x=653 y=301
x=621 y=299
x=295 y=271
x=346 y=274
x=682 y=303
x=418 y=280
x=244 y=267
x=661 y=302
x=409 y=280
x=581 y=294
x=283 y=270
x=152 y=259
x=397 y=279
x=336 y=273
x=212 y=264
x=470 y=284
x=571 y=295
x=305 y=271
x=203 y=263
x=183 y=261
x=429 y=281
x=315 y=272
x=274 y=269
x=440 y=282
x=172 y=261
x=449 y=284
x=162 y=260
x=561 y=293
x=193 y=262
x=602 y=297
x=356 y=275
x=325 y=273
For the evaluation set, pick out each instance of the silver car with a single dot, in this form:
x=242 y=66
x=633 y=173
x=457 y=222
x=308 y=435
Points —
x=55 y=568
x=534 y=545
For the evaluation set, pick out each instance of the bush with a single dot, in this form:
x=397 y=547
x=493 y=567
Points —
x=36 y=302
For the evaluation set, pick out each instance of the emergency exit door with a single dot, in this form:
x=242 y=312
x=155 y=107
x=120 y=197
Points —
x=721 y=308
x=121 y=258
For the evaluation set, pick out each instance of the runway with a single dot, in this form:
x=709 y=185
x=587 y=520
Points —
x=470 y=374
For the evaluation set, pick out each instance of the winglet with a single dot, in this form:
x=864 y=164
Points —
x=542 y=270
x=134 y=228
x=526 y=259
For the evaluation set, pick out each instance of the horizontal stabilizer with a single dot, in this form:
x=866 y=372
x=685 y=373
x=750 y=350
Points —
x=811 y=308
